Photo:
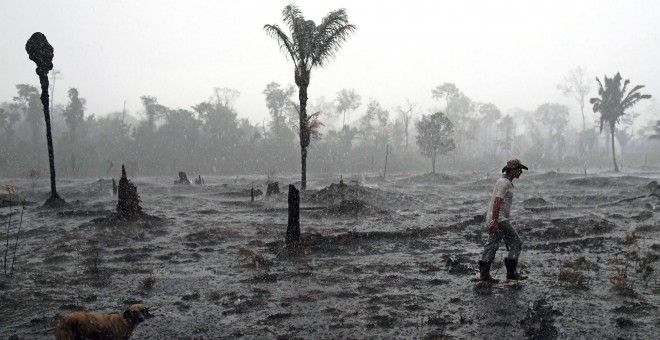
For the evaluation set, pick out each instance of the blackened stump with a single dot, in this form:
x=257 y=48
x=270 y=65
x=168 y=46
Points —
x=183 y=178
x=41 y=52
x=293 y=227
x=199 y=180
x=273 y=188
x=128 y=203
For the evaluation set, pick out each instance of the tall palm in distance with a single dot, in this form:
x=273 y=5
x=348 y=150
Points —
x=613 y=103
x=309 y=46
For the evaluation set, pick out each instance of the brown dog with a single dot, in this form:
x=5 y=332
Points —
x=112 y=326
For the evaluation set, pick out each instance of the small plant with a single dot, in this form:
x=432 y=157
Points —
x=620 y=281
x=621 y=278
x=147 y=282
x=631 y=237
x=573 y=277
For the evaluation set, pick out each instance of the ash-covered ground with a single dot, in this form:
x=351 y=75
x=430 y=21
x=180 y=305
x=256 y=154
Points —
x=397 y=259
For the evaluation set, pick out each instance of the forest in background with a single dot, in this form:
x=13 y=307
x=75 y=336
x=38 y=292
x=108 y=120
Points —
x=354 y=135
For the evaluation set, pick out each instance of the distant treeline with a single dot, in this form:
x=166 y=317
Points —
x=210 y=139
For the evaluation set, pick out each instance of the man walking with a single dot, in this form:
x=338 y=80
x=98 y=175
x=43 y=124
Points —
x=499 y=226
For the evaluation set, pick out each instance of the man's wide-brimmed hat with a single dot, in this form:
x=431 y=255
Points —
x=514 y=164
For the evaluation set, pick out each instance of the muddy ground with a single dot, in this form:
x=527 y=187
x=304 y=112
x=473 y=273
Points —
x=396 y=259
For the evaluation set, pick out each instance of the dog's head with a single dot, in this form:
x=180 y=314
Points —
x=136 y=313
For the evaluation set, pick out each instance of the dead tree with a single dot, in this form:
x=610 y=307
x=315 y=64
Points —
x=183 y=178
x=128 y=204
x=293 y=227
x=41 y=52
x=199 y=180
x=273 y=188
x=407 y=117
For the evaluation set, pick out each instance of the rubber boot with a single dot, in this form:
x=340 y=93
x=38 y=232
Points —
x=511 y=272
x=484 y=273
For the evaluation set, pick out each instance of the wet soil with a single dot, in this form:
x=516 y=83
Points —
x=393 y=258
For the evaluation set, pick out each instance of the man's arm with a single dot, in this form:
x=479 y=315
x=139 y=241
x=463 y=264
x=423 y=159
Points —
x=492 y=227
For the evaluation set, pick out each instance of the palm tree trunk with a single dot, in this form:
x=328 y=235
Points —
x=51 y=155
x=582 y=141
x=303 y=161
x=616 y=167
x=304 y=132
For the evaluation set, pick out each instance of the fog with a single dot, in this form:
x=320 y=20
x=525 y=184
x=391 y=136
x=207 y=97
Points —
x=506 y=61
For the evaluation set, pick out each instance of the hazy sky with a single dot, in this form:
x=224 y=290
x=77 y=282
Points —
x=510 y=53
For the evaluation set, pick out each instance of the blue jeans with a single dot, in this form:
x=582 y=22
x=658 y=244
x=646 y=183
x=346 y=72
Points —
x=511 y=239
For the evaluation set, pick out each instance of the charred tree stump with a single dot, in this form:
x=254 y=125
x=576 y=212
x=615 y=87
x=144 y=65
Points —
x=183 y=178
x=293 y=227
x=114 y=187
x=273 y=188
x=199 y=180
x=41 y=52
x=128 y=204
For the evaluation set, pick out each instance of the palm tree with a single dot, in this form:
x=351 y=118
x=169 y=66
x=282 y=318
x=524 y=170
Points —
x=613 y=103
x=309 y=46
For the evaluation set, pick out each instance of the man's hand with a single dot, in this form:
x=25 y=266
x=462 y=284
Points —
x=493 y=226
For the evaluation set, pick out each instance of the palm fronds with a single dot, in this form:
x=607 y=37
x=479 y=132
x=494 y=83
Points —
x=613 y=101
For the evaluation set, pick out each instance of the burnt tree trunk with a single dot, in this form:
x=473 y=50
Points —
x=128 y=203
x=616 y=166
x=293 y=227
x=41 y=52
x=303 y=167
x=49 y=136
x=273 y=188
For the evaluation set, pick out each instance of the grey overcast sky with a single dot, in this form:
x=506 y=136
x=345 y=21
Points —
x=510 y=53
